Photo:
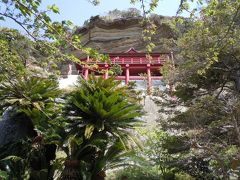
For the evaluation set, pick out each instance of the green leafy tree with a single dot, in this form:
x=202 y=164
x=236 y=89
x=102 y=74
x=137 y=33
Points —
x=156 y=159
x=207 y=84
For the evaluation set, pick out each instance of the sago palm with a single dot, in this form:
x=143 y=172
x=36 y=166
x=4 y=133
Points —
x=99 y=105
x=32 y=96
x=102 y=117
x=29 y=103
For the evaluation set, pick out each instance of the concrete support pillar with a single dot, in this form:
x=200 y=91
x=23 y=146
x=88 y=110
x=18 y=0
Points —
x=149 y=79
x=69 y=69
x=106 y=71
x=127 y=74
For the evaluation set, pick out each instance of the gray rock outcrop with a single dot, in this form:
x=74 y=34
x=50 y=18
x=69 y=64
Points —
x=15 y=126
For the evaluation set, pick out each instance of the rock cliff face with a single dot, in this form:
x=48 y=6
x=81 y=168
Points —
x=118 y=35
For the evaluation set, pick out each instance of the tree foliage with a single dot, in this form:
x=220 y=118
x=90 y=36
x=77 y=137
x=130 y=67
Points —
x=207 y=84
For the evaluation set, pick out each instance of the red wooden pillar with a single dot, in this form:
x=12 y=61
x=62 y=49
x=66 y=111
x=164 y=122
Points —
x=85 y=72
x=127 y=74
x=149 y=79
x=106 y=71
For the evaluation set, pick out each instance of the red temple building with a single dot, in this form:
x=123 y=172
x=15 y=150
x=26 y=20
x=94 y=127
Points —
x=135 y=66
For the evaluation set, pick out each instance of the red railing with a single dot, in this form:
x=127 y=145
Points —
x=132 y=61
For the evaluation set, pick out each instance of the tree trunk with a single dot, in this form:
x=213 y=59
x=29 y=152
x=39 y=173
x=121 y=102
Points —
x=71 y=170
x=235 y=121
x=100 y=176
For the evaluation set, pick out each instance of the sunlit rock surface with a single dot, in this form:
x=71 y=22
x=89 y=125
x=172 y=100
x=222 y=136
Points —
x=151 y=109
x=68 y=82
x=118 y=35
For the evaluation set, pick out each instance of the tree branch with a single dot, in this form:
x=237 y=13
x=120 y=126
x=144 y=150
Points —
x=20 y=24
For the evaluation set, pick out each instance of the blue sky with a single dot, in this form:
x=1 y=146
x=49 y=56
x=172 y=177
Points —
x=80 y=10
